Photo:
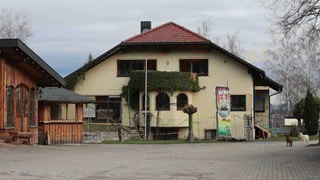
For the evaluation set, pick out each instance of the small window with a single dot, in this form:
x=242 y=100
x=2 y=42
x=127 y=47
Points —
x=18 y=101
x=182 y=100
x=238 y=103
x=55 y=111
x=10 y=114
x=32 y=120
x=199 y=66
x=108 y=109
x=259 y=105
x=162 y=102
x=210 y=134
x=126 y=66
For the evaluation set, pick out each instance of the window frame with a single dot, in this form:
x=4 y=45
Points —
x=105 y=103
x=238 y=102
x=55 y=111
x=32 y=119
x=162 y=102
x=181 y=101
x=10 y=107
x=259 y=104
x=194 y=66
x=124 y=67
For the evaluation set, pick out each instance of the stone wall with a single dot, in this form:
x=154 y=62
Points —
x=99 y=137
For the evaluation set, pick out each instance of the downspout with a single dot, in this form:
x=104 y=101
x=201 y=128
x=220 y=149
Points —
x=278 y=92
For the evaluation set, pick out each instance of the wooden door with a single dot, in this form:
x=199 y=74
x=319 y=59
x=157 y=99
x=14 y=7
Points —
x=22 y=108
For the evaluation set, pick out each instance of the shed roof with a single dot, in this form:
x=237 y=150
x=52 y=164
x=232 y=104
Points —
x=61 y=95
x=14 y=51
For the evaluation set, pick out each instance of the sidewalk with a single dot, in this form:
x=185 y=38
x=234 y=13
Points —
x=223 y=160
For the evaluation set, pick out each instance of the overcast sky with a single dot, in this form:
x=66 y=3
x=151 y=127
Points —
x=66 y=31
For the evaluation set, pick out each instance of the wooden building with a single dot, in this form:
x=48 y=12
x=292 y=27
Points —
x=21 y=73
x=61 y=116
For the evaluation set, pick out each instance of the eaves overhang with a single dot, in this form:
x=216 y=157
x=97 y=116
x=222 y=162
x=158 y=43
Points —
x=14 y=51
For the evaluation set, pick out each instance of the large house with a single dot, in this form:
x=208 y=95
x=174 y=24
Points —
x=232 y=96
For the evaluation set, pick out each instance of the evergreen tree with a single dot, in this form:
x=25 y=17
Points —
x=310 y=115
x=90 y=58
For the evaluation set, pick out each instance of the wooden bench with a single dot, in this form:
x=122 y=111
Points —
x=21 y=137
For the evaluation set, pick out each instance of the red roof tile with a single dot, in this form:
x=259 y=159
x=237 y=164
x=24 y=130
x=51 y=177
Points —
x=169 y=32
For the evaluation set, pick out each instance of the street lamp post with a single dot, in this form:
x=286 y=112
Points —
x=145 y=99
x=319 y=131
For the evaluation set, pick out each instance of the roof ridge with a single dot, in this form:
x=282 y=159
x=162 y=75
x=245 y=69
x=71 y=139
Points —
x=155 y=29
x=192 y=32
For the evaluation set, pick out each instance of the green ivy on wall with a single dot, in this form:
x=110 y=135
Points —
x=161 y=81
x=74 y=79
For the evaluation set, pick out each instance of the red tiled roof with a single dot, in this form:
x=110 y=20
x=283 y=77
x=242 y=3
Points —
x=169 y=32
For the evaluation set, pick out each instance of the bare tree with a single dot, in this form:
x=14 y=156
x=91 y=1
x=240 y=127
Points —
x=295 y=63
x=233 y=44
x=279 y=65
x=296 y=23
x=294 y=15
x=205 y=28
x=15 y=24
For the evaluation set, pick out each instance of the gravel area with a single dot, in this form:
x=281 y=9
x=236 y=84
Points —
x=222 y=160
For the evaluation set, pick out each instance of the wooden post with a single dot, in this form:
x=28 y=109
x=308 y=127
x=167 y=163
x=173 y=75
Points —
x=2 y=94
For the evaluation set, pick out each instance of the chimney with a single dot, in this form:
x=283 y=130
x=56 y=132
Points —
x=145 y=26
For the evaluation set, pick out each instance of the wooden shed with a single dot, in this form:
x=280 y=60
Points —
x=61 y=116
x=22 y=72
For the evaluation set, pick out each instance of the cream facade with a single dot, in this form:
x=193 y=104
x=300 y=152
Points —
x=223 y=70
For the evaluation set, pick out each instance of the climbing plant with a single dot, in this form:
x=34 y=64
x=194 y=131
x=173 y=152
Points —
x=74 y=79
x=161 y=81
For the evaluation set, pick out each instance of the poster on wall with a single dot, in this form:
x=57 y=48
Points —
x=223 y=111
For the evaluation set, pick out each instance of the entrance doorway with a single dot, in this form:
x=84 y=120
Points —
x=22 y=108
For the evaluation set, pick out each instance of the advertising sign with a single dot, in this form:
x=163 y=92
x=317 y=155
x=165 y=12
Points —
x=223 y=108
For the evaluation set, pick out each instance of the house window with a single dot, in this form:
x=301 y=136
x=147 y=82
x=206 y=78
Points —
x=126 y=66
x=238 y=102
x=10 y=113
x=259 y=104
x=182 y=100
x=143 y=102
x=18 y=101
x=108 y=109
x=32 y=104
x=210 y=134
x=162 y=102
x=55 y=111
x=199 y=66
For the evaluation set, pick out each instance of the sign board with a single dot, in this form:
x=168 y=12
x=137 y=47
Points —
x=223 y=108
x=89 y=110
x=290 y=122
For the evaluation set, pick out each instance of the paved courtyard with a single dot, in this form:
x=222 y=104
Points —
x=231 y=160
